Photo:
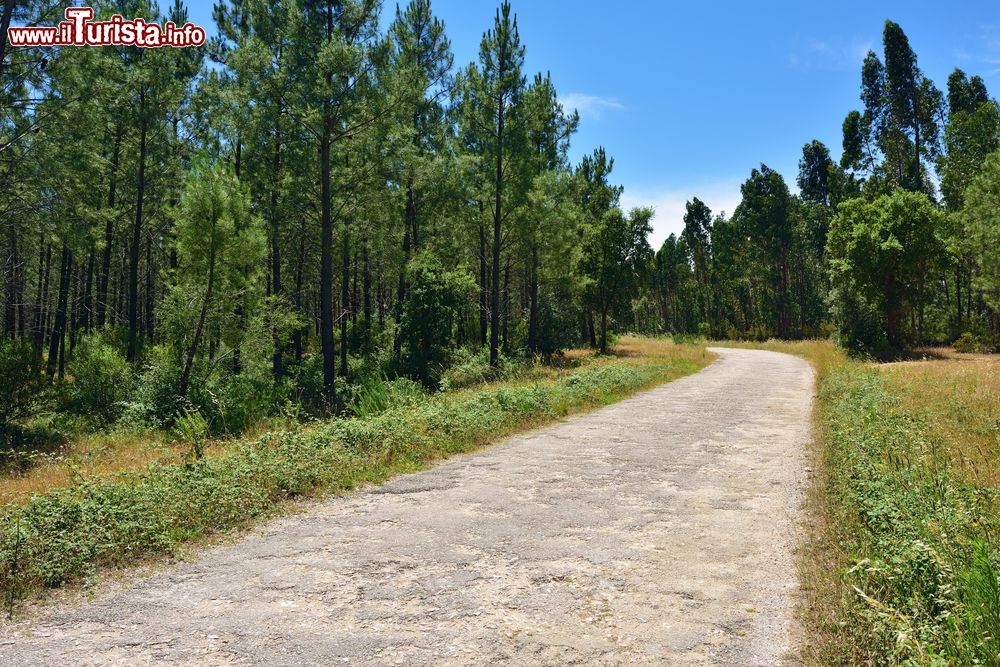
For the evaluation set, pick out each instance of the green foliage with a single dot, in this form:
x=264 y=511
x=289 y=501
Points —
x=20 y=388
x=923 y=543
x=981 y=222
x=191 y=427
x=883 y=250
x=102 y=382
x=436 y=302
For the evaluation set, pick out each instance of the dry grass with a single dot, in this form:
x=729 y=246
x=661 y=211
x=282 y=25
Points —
x=959 y=396
x=104 y=455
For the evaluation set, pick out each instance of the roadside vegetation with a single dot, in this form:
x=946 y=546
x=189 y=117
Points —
x=70 y=531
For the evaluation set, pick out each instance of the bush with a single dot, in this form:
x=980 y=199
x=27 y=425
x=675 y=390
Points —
x=102 y=382
x=20 y=388
x=861 y=326
x=155 y=400
x=434 y=306
x=976 y=344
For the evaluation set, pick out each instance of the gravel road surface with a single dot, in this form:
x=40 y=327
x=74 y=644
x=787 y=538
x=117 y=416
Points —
x=659 y=530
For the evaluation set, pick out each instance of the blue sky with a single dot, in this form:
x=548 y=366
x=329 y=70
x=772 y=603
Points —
x=689 y=96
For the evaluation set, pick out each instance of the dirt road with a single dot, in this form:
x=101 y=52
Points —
x=659 y=530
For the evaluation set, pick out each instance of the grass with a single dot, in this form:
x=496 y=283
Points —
x=959 y=397
x=69 y=532
x=900 y=558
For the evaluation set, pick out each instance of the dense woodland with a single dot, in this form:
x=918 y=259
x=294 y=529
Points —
x=266 y=223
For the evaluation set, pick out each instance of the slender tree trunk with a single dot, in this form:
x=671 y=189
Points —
x=133 y=267
x=326 y=241
x=102 y=280
x=533 y=301
x=277 y=363
x=345 y=284
x=200 y=328
x=42 y=300
x=506 y=307
x=367 y=290
x=408 y=223
x=10 y=301
x=497 y=220
x=326 y=263
x=484 y=287
x=87 y=310
x=150 y=310
x=59 y=326
x=604 y=330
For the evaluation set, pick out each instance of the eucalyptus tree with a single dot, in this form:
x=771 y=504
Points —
x=899 y=127
x=697 y=235
x=764 y=214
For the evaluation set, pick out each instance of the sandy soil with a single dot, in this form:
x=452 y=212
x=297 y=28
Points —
x=658 y=530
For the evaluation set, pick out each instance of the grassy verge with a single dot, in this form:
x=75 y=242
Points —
x=901 y=558
x=69 y=533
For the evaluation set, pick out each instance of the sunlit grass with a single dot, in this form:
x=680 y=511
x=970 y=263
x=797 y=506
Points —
x=959 y=396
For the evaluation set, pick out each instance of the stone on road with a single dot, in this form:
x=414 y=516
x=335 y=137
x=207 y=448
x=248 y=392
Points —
x=659 y=530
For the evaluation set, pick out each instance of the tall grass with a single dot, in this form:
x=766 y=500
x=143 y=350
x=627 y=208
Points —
x=67 y=534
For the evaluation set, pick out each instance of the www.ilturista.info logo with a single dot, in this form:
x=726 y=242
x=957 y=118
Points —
x=80 y=30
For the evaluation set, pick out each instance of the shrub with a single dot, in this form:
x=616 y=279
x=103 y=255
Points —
x=976 y=344
x=102 y=382
x=20 y=388
x=434 y=306
x=155 y=400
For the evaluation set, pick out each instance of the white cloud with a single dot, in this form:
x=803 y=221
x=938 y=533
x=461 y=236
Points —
x=721 y=196
x=814 y=54
x=590 y=106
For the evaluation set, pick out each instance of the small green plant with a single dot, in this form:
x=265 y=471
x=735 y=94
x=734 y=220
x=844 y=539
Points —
x=191 y=427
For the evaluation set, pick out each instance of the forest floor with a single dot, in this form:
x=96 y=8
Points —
x=657 y=530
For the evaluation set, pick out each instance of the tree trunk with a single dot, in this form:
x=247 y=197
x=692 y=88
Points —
x=604 y=330
x=150 y=311
x=200 y=329
x=41 y=299
x=367 y=290
x=497 y=220
x=484 y=288
x=326 y=263
x=8 y=10
x=87 y=308
x=133 y=267
x=506 y=307
x=59 y=327
x=345 y=285
x=277 y=363
x=102 y=280
x=10 y=301
x=533 y=301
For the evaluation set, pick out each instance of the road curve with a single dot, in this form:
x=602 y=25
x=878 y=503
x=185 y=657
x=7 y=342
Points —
x=658 y=530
